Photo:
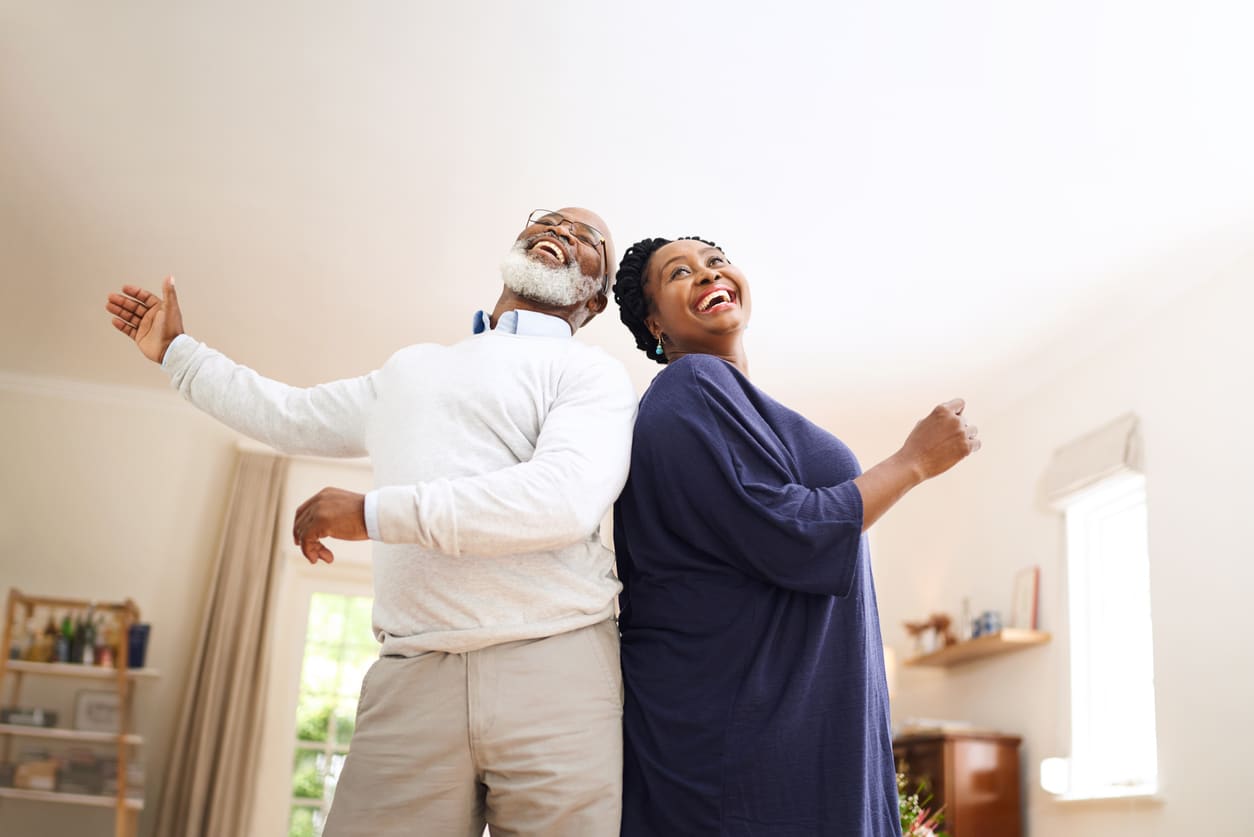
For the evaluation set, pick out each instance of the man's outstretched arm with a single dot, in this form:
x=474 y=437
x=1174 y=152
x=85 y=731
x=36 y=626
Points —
x=326 y=420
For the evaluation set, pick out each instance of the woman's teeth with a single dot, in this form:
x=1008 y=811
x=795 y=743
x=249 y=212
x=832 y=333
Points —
x=713 y=299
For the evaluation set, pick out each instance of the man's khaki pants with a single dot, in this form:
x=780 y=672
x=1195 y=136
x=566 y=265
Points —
x=525 y=737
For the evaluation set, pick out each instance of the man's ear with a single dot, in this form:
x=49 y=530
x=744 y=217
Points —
x=597 y=304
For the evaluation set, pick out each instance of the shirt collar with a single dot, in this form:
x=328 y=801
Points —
x=523 y=323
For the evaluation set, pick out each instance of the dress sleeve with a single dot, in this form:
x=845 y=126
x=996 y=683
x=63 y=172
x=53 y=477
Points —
x=326 y=420
x=722 y=478
x=556 y=498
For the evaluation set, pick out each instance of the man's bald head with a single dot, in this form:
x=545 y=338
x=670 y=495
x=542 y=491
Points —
x=587 y=216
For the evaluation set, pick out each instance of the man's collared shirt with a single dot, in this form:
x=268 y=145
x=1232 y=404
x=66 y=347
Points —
x=524 y=324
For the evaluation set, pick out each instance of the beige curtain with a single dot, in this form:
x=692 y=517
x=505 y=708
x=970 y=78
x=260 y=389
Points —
x=210 y=777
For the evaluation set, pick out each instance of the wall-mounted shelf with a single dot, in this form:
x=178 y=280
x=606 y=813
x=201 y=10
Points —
x=1003 y=642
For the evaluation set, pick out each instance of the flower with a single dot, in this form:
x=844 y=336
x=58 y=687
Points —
x=917 y=820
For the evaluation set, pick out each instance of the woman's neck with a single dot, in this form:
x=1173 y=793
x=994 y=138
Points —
x=733 y=354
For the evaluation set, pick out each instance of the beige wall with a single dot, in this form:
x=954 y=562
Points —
x=111 y=493
x=1186 y=371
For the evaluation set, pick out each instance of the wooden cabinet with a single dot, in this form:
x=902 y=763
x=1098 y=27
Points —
x=975 y=776
x=120 y=678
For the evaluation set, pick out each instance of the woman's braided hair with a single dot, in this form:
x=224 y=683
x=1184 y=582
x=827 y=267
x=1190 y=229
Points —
x=633 y=305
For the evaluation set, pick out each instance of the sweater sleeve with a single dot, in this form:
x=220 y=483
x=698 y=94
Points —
x=325 y=420
x=722 y=477
x=555 y=498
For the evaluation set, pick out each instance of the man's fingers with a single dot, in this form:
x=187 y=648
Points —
x=144 y=295
x=125 y=314
x=956 y=404
x=125 y=328
x=122 y=305
x=298 y=523
x=972 y=431
x=307 y=529
x=304 y=519
x=169 y=293
x=314 y=551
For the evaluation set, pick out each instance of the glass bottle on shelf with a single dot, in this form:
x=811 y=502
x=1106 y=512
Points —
x=76 y=641
x=32 y=639
x=17 y=642
x=108 y=644
x=64 y=638
x=44 y=650
x=88 y=638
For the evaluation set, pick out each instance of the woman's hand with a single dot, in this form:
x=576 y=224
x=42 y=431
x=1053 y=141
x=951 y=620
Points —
x=940 y=441
x=937 y=443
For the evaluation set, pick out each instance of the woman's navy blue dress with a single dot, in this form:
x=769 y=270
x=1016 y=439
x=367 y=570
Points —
x=756 y=702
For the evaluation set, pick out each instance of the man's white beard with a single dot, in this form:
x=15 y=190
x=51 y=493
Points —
x=528 y=278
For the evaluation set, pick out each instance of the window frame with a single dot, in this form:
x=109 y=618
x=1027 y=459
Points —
x=337 y=584
x=1083 y=510
x=298 y=581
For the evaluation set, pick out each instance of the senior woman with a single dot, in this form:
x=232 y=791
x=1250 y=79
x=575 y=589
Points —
x=756 y=701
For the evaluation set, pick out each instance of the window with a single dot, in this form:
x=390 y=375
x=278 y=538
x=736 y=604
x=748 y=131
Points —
x=339 y=647
x=1113 y=743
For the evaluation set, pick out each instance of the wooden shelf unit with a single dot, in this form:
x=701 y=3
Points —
x=123 y=678
x=1004 y=641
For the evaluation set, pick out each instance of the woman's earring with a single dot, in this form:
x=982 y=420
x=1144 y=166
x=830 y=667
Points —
x=658 y=350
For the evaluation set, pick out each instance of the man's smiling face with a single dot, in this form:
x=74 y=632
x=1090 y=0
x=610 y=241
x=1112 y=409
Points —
x=560 y=258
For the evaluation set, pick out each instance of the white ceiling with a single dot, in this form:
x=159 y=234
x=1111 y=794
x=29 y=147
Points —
x=924 y=194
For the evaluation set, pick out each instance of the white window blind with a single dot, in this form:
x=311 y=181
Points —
x=1108 y=451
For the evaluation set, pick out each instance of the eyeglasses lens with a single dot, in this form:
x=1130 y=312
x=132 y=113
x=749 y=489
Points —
x=588 y=235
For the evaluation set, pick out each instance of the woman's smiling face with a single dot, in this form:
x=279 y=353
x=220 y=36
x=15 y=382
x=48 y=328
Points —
x=697 y=298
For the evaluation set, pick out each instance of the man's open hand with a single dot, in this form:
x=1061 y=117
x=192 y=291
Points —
x=151 y=321
x=331 y=513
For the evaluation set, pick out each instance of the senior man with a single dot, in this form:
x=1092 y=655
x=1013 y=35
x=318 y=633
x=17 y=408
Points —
x=497 y=696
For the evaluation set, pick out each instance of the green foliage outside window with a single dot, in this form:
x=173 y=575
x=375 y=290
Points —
x=307 y=779
x=302 y=823
x=313 y=719
x=339 y=648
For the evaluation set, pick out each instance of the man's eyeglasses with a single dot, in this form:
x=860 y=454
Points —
x=589 y=235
